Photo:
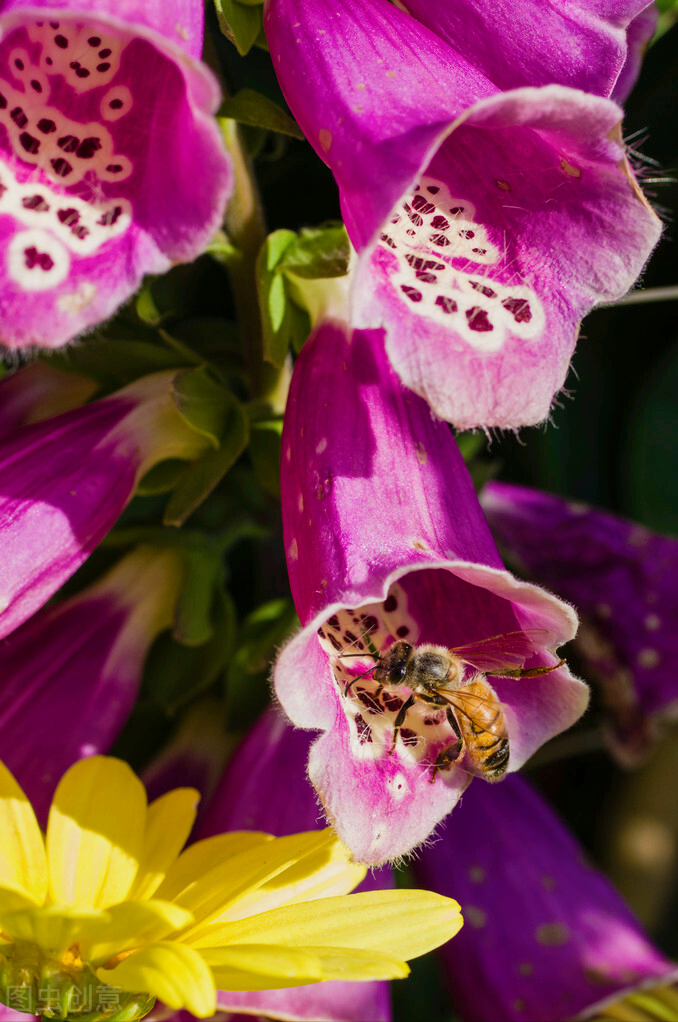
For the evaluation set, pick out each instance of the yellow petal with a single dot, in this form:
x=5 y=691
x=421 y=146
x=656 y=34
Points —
x=269 y=966
x=23 y=865
x=294 y=885
x=95 y=833
x=403 y=924
x=11 y=900
x=168 y=824
x=132 y=924
x=210 y=895
x=172 y=972
x=204 y=856
x=54 y=928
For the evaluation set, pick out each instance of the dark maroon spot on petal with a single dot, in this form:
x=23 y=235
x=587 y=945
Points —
x=433 y=189
x=410 y=232
x=519 y=309
x=105 y=53
x=61 y=167
x=80 y=231
x=409 y=737
x=370 y=623
x=114 y=168
x=391 y=701
x=19 y=117
x=396 y=219
x=390 y=604
x=46 y=126
x=335 y=642
x=389 y=241
x=103 y=67
x=429 y=721
x=440 y=239
x=19 y=64
x=110 y=216
x=418 y=263
x=416 y=219
x=446 y=304
x=321 y=633
x=29 y=143
x=419 y=203
x=480 y=251
x=69 y=143
x=88 y=147
x=427 y=278
x=477 y=320
x=467 y=234
x=402 y=631
x=82 y=72
x=115 y=104
x=54 y=24
x=411 y=292
x=456 y=210
x=35 y=85
x=350 y=637
x=75 y=64
x=48 y=60
x=440 y=223
x=333 y=622
x=94 y=40
x=35 y=202
x=34 y=258
x=3 y=102
x=364 y=729
x=483 y=288
x=370 y=700
x=68 y=216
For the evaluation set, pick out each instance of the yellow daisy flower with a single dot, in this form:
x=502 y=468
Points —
x=107 y=913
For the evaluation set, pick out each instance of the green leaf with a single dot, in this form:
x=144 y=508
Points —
x=205 y=405
x=265 y=443
x=319 y=252
x=272 y=297
x=192 y=617
x=261 y=635
x=240 y=22
x=162 y=478
x=202 y=475
x=115 y=363
x=250 y=107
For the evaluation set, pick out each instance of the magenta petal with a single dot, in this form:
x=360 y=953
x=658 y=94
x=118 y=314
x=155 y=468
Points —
x=579 y=43
x=549 y=930
x=385 y=539
x=620 y=577
x=265 y=788
x=488 y=223
x=95 y=193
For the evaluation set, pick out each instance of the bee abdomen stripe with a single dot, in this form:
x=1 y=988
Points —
x=499 y=757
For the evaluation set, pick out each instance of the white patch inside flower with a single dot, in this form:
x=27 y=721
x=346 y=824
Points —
x=426 y=235
x=44 y=137
x=37 y=261
x=116 y=103
x=354 y=639
x=85 y=56
x=82 y=227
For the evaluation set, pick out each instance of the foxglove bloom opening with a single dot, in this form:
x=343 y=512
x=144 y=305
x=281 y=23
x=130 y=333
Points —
x=622 y=580
x=70 y=675
x=95 y=190
x=385 y=541
x=488 y=222
x=65 y=480
x=552 y=933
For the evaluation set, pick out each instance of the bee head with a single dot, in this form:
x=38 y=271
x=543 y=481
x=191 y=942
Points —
x=392 y=667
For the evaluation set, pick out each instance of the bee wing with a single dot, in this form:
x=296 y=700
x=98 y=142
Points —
x=484 y=713
x=507 y=651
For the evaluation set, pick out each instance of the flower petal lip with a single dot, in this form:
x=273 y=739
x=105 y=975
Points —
x=376 y=498
x=577 y=946
x=23 y=866
x=533 y=173
x=151 y=215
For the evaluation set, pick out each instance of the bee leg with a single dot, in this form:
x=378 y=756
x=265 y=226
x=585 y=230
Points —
x=447 y=757
x=520 y=672
x=400 y=720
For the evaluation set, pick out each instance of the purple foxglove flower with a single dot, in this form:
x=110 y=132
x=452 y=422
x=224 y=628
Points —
x=386 y=541
x=112 y=166
x=488 y=223
x=39 y=391
x=622 y=580
x=70 y=675
x=546 y=937
x=265 y=788
x=66 y=480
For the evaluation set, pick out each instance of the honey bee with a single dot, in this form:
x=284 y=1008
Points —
x=435 y=676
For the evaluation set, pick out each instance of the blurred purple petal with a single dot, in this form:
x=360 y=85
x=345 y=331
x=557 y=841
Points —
x=621 y=579
x=265 y=788
x=488 y=223
x=70 y=675
x=95 y=191
x=385 y=539
x=546 y=937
